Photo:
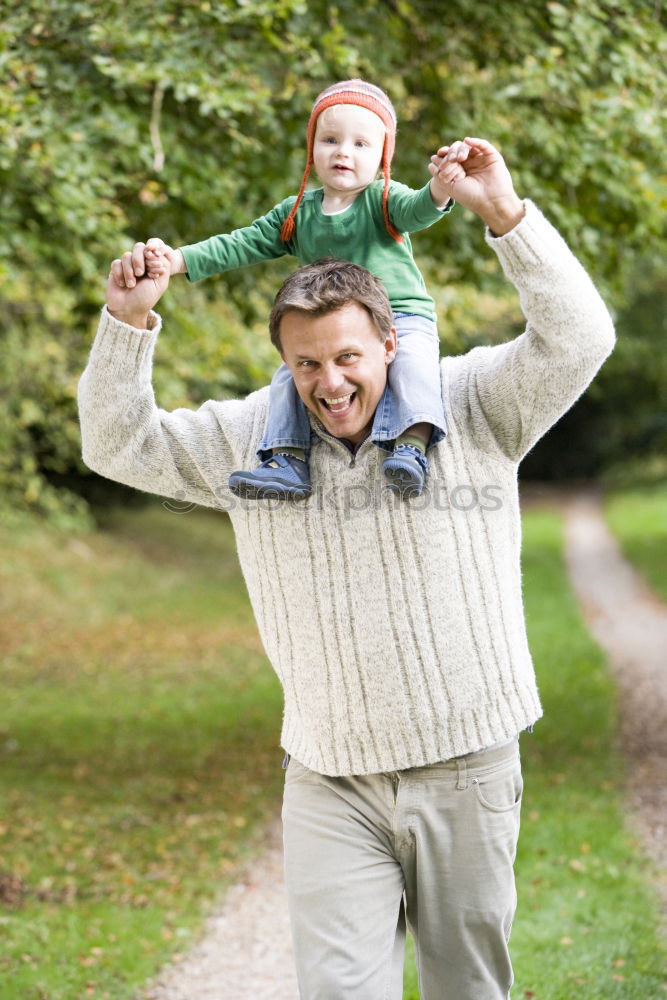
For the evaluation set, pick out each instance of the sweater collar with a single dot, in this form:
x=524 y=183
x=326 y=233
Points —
x=320 y=431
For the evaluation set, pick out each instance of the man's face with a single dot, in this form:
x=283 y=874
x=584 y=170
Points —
x=339 y=366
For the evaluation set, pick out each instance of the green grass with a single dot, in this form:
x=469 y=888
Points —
x=139 y=756
x=138 y=759
x=586 y=924
x=638 y=518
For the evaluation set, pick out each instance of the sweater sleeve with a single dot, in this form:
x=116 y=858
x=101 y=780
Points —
x=411 y=210
x=240 y=248
x=510 y=395
x=184 y=454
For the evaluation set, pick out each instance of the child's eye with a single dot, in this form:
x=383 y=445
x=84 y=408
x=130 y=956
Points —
x=330 y=139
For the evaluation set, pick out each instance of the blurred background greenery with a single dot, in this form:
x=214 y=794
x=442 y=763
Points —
x=140 y=720
x=181 y=118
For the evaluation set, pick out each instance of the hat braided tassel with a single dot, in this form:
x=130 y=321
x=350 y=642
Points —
x=391 y=228
x=289 y=225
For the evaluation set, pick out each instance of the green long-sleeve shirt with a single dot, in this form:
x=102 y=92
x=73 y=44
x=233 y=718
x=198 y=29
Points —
x=358 y=234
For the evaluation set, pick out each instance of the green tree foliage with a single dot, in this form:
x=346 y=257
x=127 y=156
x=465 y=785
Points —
x=186 y=117
x=620 y=425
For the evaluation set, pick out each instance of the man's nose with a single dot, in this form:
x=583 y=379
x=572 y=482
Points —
x=331 y=379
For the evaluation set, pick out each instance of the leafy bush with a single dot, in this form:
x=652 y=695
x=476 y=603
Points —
x=185 y=118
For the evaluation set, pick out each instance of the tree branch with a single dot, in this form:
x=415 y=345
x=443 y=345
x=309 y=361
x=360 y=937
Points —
x=154 y=127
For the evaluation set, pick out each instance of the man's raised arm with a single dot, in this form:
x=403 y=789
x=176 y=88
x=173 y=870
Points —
x=514 y=392
x=184 y=454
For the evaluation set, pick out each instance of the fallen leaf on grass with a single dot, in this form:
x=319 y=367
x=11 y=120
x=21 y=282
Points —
x=12 y=889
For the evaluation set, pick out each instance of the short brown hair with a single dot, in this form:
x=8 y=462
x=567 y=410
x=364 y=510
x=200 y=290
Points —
x=328 y=285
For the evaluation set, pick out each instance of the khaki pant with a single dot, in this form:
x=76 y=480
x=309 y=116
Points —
x=434 y=844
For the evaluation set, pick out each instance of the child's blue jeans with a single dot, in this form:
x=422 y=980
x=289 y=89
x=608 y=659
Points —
x=413 y=394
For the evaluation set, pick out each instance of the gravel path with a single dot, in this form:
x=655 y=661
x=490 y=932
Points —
x=630 y=624
x=245 y=949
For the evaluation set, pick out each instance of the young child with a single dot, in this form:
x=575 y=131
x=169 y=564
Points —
x=354 y=216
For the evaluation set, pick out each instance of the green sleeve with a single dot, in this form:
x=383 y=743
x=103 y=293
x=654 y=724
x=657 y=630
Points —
x=411 y=210
x=240 y=248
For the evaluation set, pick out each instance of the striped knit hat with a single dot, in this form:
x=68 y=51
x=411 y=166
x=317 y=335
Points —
x=366 y=95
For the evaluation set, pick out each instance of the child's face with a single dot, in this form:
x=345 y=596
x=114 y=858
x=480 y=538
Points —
x=347 y=151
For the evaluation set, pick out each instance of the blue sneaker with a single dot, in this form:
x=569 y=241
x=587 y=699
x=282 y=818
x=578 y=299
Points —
x=406 y=470
x=281 y=477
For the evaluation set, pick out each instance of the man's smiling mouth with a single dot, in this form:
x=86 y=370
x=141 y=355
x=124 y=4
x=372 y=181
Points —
x=338 y=404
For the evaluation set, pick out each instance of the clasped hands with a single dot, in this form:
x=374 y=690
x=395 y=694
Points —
x=474 y=174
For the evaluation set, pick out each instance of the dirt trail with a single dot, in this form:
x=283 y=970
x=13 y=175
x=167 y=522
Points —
x=246 y=951
x=630 y=624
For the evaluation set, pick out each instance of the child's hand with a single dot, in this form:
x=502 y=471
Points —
x=160 y=258
x=446 y=169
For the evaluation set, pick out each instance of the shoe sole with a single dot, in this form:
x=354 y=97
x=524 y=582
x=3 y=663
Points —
x=246 y=491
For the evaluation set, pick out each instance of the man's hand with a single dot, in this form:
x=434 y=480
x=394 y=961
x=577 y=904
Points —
x=474 y=173
x=131 y=293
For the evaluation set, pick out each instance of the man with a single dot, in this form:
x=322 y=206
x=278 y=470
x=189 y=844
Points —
x=396 y=627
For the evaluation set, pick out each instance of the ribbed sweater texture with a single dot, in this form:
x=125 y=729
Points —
x=396 y=627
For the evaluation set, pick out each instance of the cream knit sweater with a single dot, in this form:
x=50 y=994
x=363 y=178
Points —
x=396 y=627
